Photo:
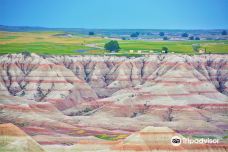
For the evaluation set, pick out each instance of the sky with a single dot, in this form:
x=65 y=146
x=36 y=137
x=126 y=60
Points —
x=120 y=14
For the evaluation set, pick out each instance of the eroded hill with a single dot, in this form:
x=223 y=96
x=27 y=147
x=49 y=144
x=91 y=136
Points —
x=77 y=97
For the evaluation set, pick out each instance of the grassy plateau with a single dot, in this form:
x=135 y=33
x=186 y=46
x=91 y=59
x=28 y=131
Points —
x=50 y=43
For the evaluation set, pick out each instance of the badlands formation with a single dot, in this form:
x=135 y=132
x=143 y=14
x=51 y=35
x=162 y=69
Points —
x=108 y=103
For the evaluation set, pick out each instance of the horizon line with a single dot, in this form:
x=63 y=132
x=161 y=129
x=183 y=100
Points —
x=89 y=28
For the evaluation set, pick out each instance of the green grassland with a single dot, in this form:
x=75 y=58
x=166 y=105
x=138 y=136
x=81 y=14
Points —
x=48 y=43
x=175 y=46
x=41 y=48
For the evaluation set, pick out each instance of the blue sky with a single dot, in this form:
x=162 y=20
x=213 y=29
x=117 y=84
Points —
x=136 y=14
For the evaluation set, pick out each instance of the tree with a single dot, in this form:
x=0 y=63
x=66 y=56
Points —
x=197 y=38
x=165 y=49
x=195 y=47
x=184 y=34
x=191 y=38
x=112 y=45
x=136 y=34
x=91 y=33
x=26 y=53
x=224 y=32
x=162 y=34
x=165 y=38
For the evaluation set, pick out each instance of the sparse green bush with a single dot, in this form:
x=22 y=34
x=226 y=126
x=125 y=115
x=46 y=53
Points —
x=161 y=34
x=87 y=109
x=184 y=34
x=197 y=38
x=136 y=34
x=26 y=53
x=165 y=38
x=105 y=137
x=165 y=49
x=91 y=33
x=191 y=38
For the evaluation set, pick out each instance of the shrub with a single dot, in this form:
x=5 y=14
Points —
x=91 y=33
x=191 y=38
x=184 y=34
x=161 y=34
x=136 y=34
x=123 y=38
x=165 y=38
x=165 y=49
x=224 y=32
x=26 y=53
x=197 y=38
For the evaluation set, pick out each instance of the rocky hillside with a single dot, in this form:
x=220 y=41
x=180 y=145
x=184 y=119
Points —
x=67 y=98
x=45 y=78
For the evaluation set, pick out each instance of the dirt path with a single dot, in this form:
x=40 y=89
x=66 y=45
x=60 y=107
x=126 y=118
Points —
x=94 y=45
